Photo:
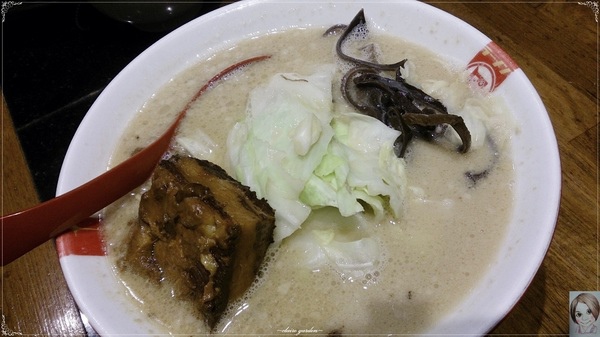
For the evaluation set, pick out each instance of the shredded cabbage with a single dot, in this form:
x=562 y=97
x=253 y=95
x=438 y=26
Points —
x=457 y=99
x=345 y=244
x=199 y=146
x=291 y=150
x=282 y=140
x=359 y=168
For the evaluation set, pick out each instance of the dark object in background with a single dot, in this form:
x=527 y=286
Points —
x=57 y=59
x=151 y=16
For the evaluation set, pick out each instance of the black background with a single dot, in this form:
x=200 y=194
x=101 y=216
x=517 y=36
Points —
x=56 y=59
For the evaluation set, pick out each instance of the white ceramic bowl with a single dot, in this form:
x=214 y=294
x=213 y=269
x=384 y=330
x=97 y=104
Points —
x=536 y=160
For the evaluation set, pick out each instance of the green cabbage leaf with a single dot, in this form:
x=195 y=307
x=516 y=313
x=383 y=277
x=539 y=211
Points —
x=294 y=151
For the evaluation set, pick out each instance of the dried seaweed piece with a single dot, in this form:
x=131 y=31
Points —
x=359 y=19
x=395 y=102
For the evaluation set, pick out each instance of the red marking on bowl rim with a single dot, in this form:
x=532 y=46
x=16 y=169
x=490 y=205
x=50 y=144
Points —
x=490 y=67
x=86 y=240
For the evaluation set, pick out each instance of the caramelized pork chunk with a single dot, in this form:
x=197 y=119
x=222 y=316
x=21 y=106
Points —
x=200 y=232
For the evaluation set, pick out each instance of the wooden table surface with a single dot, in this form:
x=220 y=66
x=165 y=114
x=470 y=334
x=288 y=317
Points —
x=556 y=45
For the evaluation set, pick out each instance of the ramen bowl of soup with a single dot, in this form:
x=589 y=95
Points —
x=412 y=167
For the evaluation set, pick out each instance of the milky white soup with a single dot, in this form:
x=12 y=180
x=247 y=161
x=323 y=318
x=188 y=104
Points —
x=429 y=259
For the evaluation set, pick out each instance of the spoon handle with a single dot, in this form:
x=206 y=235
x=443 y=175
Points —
x=22 y=231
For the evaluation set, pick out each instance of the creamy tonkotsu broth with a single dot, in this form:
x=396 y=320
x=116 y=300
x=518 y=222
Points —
x=431 y=257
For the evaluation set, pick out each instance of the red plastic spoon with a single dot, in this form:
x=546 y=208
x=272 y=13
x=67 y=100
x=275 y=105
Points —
x=22 y=231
